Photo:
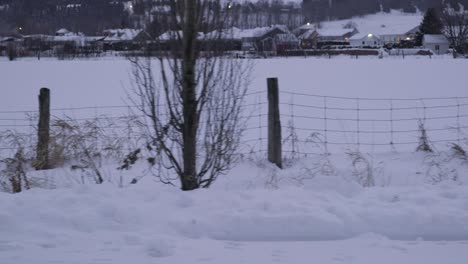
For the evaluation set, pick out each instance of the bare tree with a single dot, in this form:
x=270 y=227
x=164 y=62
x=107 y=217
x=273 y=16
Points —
x=192 y=102
x=456 y=29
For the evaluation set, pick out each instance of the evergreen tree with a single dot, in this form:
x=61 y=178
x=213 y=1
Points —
x=431 y=24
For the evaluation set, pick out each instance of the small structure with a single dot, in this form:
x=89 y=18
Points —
x=10 y=41
x=437 y=43
x=308 y=39
x=63 y=32
x=223 y=40
x=285 y=41
x=315 y=36
x=64 y=43
x=268 y=40
x=338 y=36
x=124 y=39
x=261 y=38
x=363 y=40
x=170 y=39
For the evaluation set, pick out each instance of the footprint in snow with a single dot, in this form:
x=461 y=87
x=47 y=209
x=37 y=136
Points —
x=233 y=245
x=159 y=249
x=277 y=255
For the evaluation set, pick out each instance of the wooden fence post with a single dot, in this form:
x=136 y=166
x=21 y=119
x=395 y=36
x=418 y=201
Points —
x=42 y=161
x=274 y=123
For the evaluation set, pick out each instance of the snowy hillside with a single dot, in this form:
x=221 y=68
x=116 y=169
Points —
x=395 y=22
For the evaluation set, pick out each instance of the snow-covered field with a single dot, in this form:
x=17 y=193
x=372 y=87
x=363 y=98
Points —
x=315 y=210
x=102 y=82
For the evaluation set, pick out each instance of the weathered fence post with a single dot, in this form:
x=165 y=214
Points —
x=42 y=159
x=274 y=123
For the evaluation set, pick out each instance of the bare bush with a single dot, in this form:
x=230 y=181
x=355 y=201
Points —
x=13 y=168
x=424 y=144
x=84 y=145
x=441 y=167
x=364 y=169
x=458 y=151
x=293 y=139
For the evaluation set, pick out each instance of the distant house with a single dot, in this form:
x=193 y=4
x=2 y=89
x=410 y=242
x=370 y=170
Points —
x=268 y=40
x=397 y=35
x=63 y=32
x=335 y=36
x=78 y=41
x=437 y=43
x=5 y=40
x=362 y=40
x=124 y=39
x=316 y=36
x=308 y=39
x=223 y=40
x=383 y=36
x=260 y=39
x=168 y=39
x=285 y=41
x=9 y=41
x=64 y=42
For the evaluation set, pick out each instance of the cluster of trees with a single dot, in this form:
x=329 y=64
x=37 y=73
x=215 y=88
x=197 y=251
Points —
x=265 y=13
x=453 y=24
x=92 y=16
x=47 y=16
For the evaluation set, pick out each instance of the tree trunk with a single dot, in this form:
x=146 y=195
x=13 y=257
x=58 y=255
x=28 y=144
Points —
x=189 y=178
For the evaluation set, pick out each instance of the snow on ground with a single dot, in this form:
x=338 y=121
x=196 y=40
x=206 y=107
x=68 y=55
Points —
x=87 y=82
x=244 y=218
x=315 y=210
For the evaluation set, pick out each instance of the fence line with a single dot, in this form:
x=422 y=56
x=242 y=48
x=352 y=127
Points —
x=375 y=99
x=335 y=118
x=310 y=123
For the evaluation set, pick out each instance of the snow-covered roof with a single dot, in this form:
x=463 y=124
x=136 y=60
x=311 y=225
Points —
x=254 y=32
x=94 y=38
x=73 y=5
x=308 y=34
x=361 y=36
x=332 y=32
x=286 y=37
x=62 y=31
x=76 y=38
x=259 y=31
x=40 y=37
x=238 y=34
x=436 y=39
x=231 y=33
x=172 y=35
x=121 y=34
